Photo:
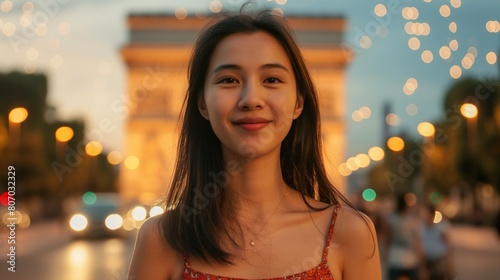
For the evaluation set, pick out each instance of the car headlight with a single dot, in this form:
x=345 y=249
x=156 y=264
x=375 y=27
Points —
x=78 y=222
x=113 y=221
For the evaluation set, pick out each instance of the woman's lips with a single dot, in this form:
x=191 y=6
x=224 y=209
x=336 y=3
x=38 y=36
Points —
x=252 y=124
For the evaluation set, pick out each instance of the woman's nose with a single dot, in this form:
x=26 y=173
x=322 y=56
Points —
x=251 y=97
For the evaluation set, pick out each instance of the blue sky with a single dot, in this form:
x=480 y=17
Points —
x=79 y=51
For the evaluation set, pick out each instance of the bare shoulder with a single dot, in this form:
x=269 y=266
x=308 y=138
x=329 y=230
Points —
x=153 y=257
x=354 y=227
x=355 y=233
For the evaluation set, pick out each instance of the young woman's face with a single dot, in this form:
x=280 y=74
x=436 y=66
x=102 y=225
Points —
x=250 y=94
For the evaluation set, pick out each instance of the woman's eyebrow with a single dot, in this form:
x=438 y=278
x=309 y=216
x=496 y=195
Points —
x=226 y=67
x=274 y=65
x=237 y=67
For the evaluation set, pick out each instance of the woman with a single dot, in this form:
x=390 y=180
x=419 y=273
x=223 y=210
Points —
x=250 y=197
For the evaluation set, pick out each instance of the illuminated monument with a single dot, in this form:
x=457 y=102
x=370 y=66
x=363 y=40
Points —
x=157 y=57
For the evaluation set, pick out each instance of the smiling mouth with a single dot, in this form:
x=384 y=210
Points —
x=252 y=125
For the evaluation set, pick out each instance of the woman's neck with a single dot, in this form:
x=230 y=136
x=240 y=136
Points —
x=258 y=185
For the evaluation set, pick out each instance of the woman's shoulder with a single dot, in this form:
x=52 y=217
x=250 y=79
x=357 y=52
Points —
x=355 y=228
x=153 y=256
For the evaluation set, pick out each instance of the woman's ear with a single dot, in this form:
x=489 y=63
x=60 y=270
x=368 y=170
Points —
x=202 y=107
x=299 y=105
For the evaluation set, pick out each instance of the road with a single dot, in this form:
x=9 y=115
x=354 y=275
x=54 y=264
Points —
x=52 y=255
x=105 y=259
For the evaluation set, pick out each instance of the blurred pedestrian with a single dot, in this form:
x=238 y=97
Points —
x=436 y=245
x=404 y=253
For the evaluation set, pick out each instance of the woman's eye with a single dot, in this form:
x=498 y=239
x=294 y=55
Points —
x=227 y=80
x=273 y=80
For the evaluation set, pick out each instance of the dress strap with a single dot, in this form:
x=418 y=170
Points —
x=330 y=233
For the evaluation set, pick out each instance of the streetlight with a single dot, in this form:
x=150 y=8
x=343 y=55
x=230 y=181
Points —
x=16 y=117
x=396 y=144
x=427 y=130
x=63 y=135
x=470 y=112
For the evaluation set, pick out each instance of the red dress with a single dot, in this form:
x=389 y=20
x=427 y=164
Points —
x=321 y=271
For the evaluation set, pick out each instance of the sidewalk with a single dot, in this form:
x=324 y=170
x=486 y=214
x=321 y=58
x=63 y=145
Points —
x=475 y=238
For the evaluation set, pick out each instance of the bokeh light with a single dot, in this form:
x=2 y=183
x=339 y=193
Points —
x=453 y=27
x=363 y=160
x=369 y=194
x=426 y=129
x=131 y=162
x=365 y=42
x=114 y=157
x=64 y=134
x=456 y=3
x=6 y=6
x=455 y=72
x=181 y=13
x=438 y=217
x=18 y=115
x=89 y=198
x=468 y=110
x=215 y=6
x=393 y=119
x=411 y=109
x=395 y=144
x=93 y=148
x=344 y=170
x=414 y=43
x=427 y=56
x=410 y=86
x=445 y=52
x=445 y=11
x=491 y=58
x=352 y=163
x=376 y=153
x=139 y=213
x=453 y=45
x=380 y=10
x=8 y=29
x=28 y=7
x=29 y=67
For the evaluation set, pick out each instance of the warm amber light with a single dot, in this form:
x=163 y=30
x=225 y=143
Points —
x=131 y=162
x=426 y=129
x=18 y=115
x=93 y=148
x=396 y=144
x=64 y=134
x=352 y=163
x=363 y=160
x=344 y=170
x=114 y=157
x=491 y=58
x=376 y=153
x=455 y=71
x=468 y=110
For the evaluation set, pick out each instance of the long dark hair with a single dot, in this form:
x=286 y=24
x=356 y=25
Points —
x=200 y=217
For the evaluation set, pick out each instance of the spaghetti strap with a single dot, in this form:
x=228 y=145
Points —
x=330 y=234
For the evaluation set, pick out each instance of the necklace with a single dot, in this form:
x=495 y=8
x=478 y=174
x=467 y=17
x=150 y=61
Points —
x=252 y=241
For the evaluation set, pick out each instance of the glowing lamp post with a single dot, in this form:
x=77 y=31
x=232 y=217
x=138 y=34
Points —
x=16 y=117
x=470 y=112
x=63 y=135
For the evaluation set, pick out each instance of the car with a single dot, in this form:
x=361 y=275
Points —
x=98 y=215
